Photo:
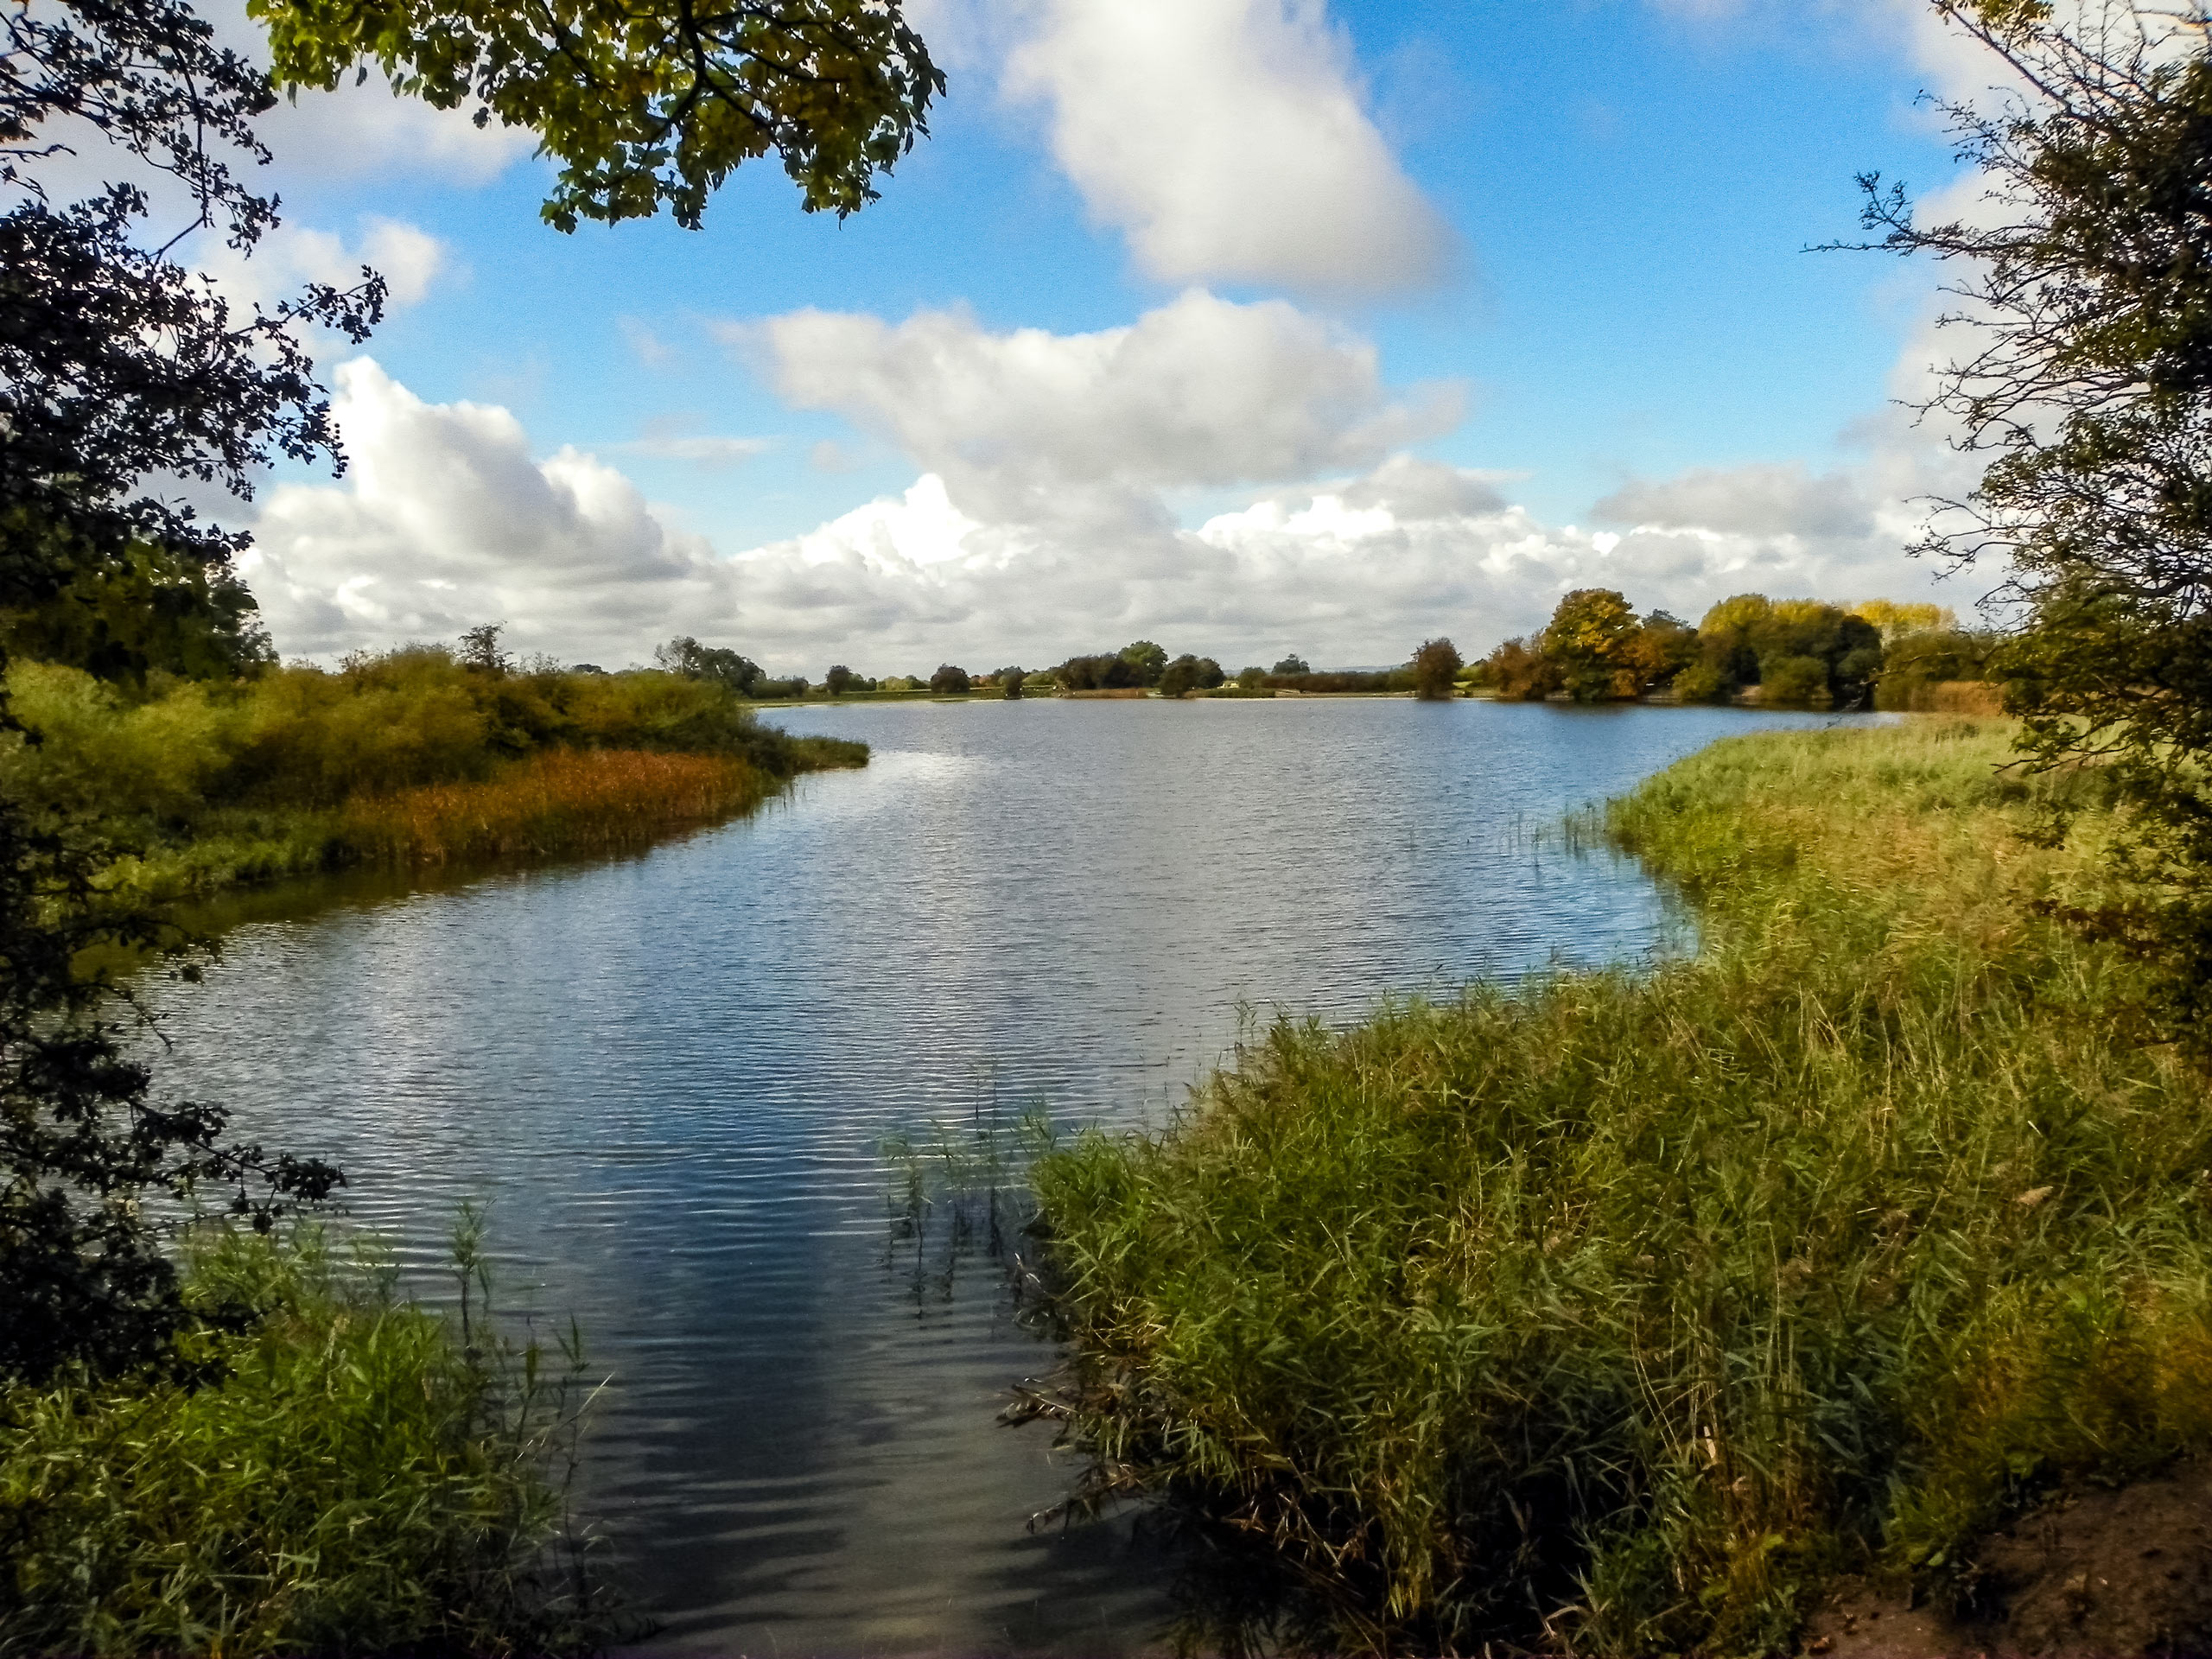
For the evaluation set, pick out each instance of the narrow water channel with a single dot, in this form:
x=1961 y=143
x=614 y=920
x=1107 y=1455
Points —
x=669 y=1076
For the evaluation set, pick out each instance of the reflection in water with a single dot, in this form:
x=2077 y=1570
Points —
x=671 y=1074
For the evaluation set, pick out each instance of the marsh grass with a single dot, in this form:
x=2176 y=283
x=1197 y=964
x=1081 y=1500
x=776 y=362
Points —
x=1615 y=1310
x=958 y=1192
x=347 y=1473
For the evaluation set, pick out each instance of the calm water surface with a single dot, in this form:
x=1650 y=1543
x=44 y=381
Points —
x=669 y=1076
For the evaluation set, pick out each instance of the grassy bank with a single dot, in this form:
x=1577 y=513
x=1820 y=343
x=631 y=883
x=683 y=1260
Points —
x=350 y=1474
x=1621 y=1310
x=405 y=760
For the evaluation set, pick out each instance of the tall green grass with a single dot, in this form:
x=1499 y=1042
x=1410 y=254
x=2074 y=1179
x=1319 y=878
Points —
x=1617 y=1310
x=396 y=760
x=350 y=1473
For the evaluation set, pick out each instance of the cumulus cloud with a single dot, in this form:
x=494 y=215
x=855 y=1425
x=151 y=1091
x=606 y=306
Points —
x=1038 y=426
x=1774 y=499
x=447 y=519
x=1227 y=140
x=704 y=450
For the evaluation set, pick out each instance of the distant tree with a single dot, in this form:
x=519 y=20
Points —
x=1744 y=640
x=480 y=650
x=839 y=680
x=1010 y=680
x=1251 y=678
x=1729 y=637
x=1519 y=672
x=1591 y=637
x=1292 y=663
x=1895 y=620
x=1150 y=661
x=1661 y=648
x=687 y=656
x=1436 y=669
x=951 y=680
x=1108 y=671
x=1187 y=674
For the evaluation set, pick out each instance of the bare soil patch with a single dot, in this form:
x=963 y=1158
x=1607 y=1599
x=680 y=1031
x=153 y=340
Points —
x=2091 y=1573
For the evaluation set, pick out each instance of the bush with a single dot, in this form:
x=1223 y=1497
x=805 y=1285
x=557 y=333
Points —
x=1795 y=682
x=1702 y=682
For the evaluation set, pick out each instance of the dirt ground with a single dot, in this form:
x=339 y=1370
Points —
x=2091 y=1575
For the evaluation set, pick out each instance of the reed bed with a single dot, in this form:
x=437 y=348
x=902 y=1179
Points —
x=1615 y=1312
x=568 y=801
x=342 y=1472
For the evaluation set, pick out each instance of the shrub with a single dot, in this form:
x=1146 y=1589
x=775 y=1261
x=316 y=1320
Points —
x=1795 y=682
x=1702 y=682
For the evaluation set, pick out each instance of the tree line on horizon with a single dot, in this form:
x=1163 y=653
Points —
x=1795 y=653
x=1141 y=665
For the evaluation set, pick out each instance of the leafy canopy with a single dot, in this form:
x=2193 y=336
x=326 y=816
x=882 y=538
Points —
x=2085 y=384
x=644 y=103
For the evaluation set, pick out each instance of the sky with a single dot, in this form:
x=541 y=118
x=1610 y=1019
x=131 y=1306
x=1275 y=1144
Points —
x=1250 y=327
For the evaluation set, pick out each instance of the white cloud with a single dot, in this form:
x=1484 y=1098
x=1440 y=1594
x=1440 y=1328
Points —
x=1035 y=427
x=446 y=520
x=408 y=260
x=1771 y=498
x=1227 y=140
x=652 y=351
x=709 y=453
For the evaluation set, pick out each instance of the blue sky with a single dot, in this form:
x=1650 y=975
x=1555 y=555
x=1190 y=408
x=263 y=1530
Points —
x=1546 y=259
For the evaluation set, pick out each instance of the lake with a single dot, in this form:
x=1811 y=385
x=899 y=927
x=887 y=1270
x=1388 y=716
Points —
x=669 y=1077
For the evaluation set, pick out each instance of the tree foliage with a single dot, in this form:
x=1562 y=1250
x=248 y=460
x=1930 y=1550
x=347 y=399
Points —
x=149 y=610
x=2085 y=384
x=1800 y=653
x=641 y=105
x=118 y=366
x=124 y=374
x=1436 y=669
x=1187 y=674
x=686 y=657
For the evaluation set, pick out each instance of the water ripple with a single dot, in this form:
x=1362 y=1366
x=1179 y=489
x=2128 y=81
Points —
x=670 y=1075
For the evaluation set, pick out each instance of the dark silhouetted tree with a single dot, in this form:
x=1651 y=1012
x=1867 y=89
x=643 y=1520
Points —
x=1436 y=669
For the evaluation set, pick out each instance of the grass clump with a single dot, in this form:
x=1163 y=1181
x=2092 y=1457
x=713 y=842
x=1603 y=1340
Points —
x=1615 y=1311
x=347 y=1473
x=403 y=758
